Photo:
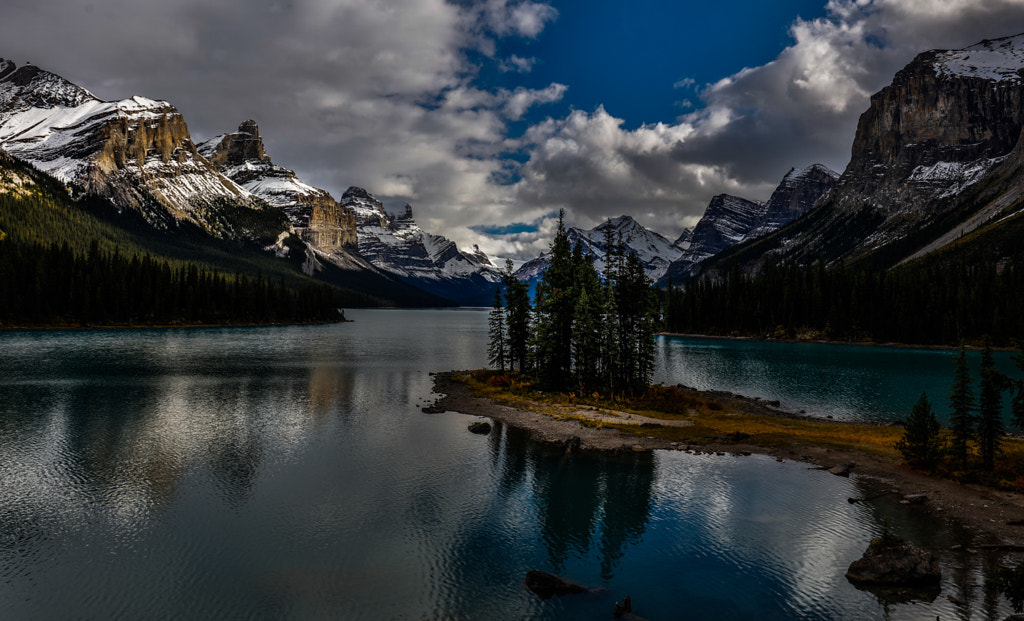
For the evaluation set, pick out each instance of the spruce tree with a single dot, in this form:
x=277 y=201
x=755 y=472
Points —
x=920 y=444
x=990 y=409
x=517 y=318
x=961 y=402
x=554 y=308
x=496 y=348
x=586 y=328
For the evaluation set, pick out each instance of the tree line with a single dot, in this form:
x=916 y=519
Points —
x=581 y=332
x=933 y=302
x=52 y=284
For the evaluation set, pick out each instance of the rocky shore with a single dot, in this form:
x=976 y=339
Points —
x=997 y=515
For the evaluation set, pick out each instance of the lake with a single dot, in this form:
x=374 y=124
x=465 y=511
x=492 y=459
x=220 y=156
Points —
x=289 y=473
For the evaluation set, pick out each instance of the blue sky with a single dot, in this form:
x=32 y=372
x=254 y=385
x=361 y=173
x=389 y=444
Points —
x=642 y=59
x=489 y=116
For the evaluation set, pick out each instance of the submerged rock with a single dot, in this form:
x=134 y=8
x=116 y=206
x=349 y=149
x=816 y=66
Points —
x=892 y=561
x=546 y=585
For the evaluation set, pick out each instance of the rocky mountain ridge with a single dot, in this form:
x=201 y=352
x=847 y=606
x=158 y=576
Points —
x=654 y=251
x=396 y=244
x=937 y=155
x=136 y=152
x=326 y=225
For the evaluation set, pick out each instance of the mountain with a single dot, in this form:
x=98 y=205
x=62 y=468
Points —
x=653 y=250
x=327 y=226
x=730 y=220
x=396 y=244
x=134 y=170
x=136 y=152
x=937 y=155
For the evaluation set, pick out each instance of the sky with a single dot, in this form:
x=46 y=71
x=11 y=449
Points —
x=489 y=116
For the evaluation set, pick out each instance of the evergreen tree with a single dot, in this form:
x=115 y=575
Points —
x=517 y=318
x=496 y=348
x=554 y=310
x=637 y=310
x=961 y=402
x=586 y=328
x=920 y=444
x=990 y=409
x=1017 y=386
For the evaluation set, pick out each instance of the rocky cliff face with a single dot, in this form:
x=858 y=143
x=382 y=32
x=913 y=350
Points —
x=730 y=220
x=326 y=225
x=137 y=152
x=653 y=250
x=934 y=157
x=396 y=244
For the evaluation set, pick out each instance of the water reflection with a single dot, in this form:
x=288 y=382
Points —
x=290 y=473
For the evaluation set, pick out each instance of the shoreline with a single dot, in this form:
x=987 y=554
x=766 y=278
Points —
x=996 y=514
x=162 y=326
x=758 y=339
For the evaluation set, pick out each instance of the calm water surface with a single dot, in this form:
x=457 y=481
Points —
x=288 y=473
x=847 y=382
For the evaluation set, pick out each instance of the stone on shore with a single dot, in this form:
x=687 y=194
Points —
x=481 y=428
x=892 y=561
x=546 y=585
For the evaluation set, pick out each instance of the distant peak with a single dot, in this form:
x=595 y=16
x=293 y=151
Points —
x=249 y=127
x=41 y=88
x=357 y=192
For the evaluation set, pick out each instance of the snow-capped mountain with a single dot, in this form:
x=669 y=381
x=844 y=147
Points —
x=327 y=226
x=654 y=251
x=395 y=243
x=937 y=155
x=137 y=152
x=730 y=220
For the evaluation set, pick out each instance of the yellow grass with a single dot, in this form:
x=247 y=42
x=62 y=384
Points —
x=717 y=422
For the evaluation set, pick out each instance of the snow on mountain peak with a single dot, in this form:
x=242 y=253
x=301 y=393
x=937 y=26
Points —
x=996 y=60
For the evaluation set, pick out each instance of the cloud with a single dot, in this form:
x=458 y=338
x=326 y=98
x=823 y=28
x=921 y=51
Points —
x=517 y=64
x=387 y=95
x=522 y=99
x=752 y=126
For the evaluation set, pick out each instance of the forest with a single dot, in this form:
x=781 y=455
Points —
x=53 y=285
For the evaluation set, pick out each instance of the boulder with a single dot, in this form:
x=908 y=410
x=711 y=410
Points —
x=892 y=561
x=481 y=428
x=546 y=585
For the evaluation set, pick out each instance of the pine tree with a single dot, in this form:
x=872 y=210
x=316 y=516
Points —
x=517 y=318
x=554 y=308
x=1017 y=386
x=990 y=409
x=637 y=309
x=496 y=348
x=586 y=328
x=920 y=444
x=961 y=402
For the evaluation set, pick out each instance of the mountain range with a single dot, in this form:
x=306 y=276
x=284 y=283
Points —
x=936 y=161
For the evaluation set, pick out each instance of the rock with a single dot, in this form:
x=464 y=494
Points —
x=915 y=499
x=481 y=428
x=842 y=470
x=892 y=561
x=572 y=445
x=546 y=585
x=625 y=607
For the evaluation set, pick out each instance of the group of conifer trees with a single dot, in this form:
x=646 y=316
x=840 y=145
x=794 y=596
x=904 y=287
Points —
x=972 y=422
x=581 y=333
x=939 y=302
x=51 y=284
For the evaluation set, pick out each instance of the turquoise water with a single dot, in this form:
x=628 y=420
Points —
x=289 y=473
x=847 y=382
